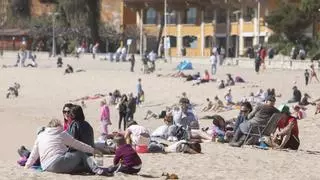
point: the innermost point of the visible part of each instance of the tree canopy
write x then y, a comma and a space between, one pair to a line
291, 20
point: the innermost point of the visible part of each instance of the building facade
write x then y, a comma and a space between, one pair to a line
196, 26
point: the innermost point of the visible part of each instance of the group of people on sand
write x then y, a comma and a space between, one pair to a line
69, 146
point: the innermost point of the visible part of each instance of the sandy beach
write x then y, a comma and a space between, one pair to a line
45, 89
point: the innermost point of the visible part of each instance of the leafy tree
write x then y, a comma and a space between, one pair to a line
289, 20
311, 9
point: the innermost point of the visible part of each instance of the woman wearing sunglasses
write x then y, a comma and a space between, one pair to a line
66, 115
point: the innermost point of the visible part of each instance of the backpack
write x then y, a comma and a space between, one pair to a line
181, 133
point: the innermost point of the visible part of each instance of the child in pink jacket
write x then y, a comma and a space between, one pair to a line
104, 117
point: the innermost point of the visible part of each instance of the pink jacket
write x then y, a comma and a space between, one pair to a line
52, 144
105, 113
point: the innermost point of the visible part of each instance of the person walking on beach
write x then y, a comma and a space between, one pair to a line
132, 62
214, 61
140, 91
257, 63
122, 107
95, 50
306, 76
313, 73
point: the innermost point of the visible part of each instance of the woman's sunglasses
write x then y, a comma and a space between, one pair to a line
66, 112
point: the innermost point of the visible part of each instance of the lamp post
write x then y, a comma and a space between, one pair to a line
258, 17
53, 33
165, 31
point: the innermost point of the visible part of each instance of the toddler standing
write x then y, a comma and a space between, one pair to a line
104, 117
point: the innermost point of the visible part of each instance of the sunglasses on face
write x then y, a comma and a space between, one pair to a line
66, 111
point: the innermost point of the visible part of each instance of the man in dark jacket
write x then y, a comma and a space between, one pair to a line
131, 108
260, 116
296, 95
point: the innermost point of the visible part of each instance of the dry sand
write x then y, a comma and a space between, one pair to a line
44, 90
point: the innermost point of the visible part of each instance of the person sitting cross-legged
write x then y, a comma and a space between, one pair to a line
126, 159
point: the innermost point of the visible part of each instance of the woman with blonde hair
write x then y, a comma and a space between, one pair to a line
52, 148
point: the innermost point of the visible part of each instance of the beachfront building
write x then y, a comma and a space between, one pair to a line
194, 27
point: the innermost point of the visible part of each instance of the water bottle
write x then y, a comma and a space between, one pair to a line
99, 159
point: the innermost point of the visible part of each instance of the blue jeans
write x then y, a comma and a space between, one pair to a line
73, 162
213, 69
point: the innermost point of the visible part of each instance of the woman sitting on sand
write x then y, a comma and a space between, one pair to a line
66, 115
80, 129
52, 148
230, 81
228, 98
217, 105
305, 100
221, 84
206, 78
69, 69
208, 106
287, 133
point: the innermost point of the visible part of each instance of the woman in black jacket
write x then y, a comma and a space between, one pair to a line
122, 107
79, 128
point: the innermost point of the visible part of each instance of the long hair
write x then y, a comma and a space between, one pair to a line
77, 113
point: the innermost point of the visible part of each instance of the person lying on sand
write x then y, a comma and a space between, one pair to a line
161, 115
96, 96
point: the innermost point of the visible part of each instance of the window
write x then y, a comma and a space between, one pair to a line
234, 15
173, 41
150, 16
248, 42
191, 16
221, 16
208, 15
248, 14
208, 41
190, 41
172, 17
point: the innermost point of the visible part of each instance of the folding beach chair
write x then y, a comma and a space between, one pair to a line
263, 130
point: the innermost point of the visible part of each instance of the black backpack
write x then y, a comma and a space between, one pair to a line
181, 133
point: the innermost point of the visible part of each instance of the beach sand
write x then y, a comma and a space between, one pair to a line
45, 90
